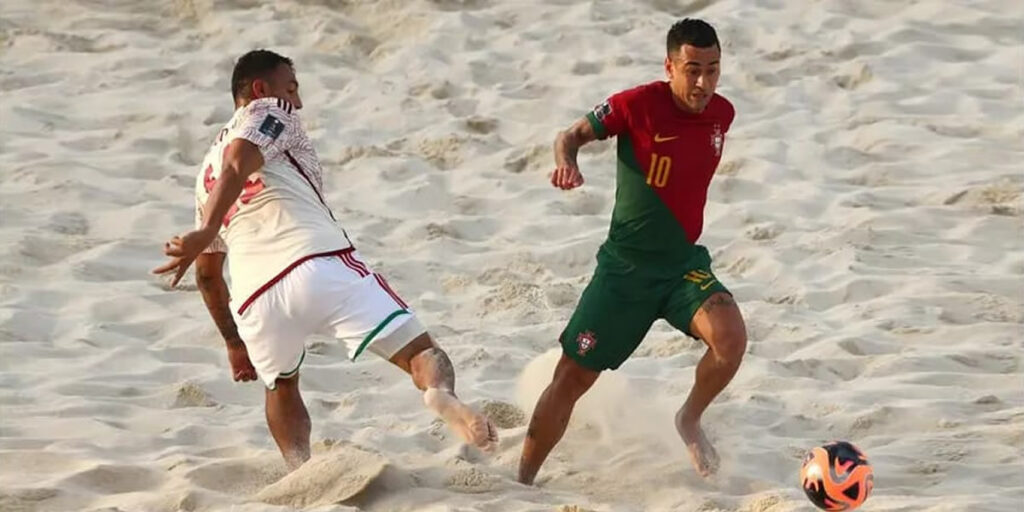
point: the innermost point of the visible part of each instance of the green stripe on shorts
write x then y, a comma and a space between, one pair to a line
290, 374
296, 369
380, 326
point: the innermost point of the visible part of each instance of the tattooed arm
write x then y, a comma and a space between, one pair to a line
210, 280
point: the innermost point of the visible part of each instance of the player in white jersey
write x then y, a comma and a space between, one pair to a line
294, 271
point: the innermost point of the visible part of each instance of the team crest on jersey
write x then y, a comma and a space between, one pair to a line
585, 342
717, 139
601, 111
272, 127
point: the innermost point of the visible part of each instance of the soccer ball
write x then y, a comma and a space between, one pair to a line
837, 476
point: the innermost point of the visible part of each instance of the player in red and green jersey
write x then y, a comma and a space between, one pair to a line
670, 136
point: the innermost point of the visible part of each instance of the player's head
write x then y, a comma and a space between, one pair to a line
262, 73
692, 62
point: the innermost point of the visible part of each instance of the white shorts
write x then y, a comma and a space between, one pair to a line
333, 294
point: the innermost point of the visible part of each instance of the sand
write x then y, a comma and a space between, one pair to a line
867, 214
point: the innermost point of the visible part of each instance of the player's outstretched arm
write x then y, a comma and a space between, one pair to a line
567, 144
241, 159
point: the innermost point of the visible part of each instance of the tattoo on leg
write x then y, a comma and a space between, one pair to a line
717, 300
439, 370
445, 370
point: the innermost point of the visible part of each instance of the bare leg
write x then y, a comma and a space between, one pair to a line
551, 415
289, 421
720, 324
432, 373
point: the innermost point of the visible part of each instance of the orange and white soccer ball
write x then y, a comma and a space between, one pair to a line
837, 476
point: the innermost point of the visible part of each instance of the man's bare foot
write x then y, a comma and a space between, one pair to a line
702, 453
472, 426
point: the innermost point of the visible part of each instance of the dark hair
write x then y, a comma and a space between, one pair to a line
693, 32
257, 64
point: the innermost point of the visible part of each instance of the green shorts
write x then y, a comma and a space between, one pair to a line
618, 308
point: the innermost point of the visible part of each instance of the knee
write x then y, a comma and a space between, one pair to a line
730, 346
572, 381
407, 357
284, 388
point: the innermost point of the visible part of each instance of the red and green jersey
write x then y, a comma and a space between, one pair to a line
666, 158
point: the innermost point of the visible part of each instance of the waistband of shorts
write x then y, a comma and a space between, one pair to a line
266, 286
615, 259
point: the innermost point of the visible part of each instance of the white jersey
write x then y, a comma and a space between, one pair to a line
280, 219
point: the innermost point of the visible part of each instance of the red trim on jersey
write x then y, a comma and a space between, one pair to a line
315, 190
248, 302
384, 284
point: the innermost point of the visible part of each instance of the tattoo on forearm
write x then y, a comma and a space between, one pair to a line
717, 300
569, 154
225, 323
215, 295
566, 149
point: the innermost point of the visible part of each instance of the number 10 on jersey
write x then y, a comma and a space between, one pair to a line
661, 167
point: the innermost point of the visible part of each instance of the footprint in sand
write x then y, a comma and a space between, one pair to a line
26, 500
239, 476
586, 68
116, 479
69, 223
532, 158
461, 5
481, 125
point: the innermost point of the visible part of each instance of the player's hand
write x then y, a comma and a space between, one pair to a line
183, 250
567, 177
241, 367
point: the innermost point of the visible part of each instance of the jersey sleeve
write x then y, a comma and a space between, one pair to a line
218, 244
611, 117
730, 115
271, 124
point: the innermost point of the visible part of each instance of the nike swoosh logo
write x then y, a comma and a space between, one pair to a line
705, 287
659, 138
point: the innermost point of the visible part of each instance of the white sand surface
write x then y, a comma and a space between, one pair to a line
867, 215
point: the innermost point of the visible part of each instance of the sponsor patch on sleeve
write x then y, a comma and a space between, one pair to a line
272, 127
601, 111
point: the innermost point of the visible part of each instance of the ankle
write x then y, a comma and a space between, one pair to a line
435, 398
687, 417
525, 478
295, 458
